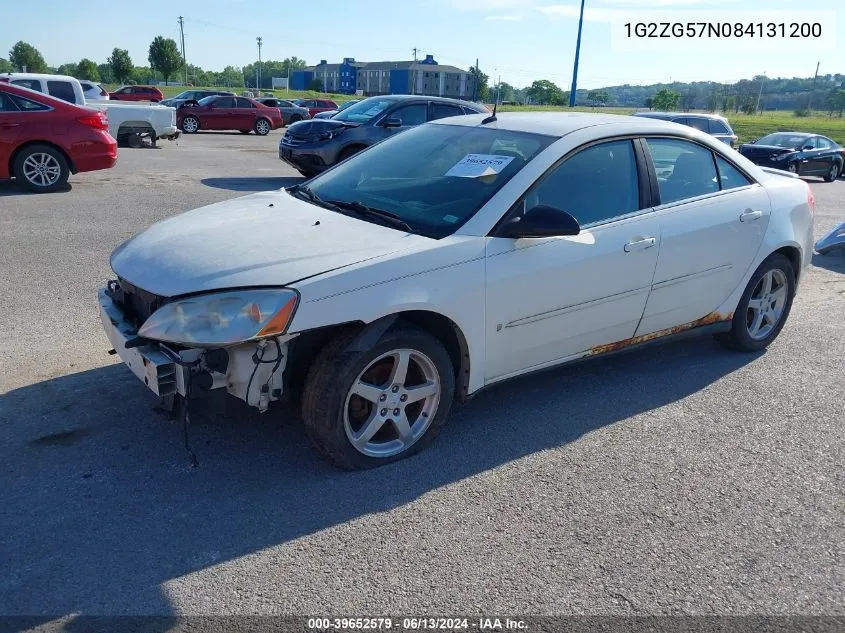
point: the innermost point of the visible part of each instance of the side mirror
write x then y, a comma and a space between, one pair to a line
541, 221
392, 122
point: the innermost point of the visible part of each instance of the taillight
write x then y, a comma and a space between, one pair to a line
98, 121
811, 199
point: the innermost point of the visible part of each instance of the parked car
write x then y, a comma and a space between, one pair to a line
452, 257
314, 146
290, 113
44, 139
801, 153
316, 106
228, 113
62, 87
328, 114
137, 93
712, 124
93, 92
193, 96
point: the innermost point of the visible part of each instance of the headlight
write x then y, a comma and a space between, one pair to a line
779, 156
222, 318
325, 136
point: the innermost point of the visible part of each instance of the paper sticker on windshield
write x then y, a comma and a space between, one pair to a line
479, 165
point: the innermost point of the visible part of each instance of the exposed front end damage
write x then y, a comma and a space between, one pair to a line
250, 371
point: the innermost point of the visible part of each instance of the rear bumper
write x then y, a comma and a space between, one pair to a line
94, 156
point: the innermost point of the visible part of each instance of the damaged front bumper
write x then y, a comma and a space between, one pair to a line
252, 372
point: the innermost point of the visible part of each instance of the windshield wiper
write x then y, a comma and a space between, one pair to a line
362, 209
312, 197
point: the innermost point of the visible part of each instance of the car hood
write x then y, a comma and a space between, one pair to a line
750, 149
316, 126
265, 239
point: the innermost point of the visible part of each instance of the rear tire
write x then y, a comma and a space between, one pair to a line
262, 127
833, 173
41, 168
348, 392
763, 308
794, 168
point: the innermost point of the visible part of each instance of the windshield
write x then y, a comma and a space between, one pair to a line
364, 110
783, 140
184, 95
348, 104
433, 177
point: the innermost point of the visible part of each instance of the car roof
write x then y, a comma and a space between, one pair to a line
804, 134
560, 124
673, 115
36, 95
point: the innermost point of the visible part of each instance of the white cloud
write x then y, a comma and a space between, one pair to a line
504, 18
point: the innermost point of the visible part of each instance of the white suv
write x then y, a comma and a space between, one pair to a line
93, 91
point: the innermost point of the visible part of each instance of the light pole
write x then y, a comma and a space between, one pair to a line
577, 55
258, 70
760, 95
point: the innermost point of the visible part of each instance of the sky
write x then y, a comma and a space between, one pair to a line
518, 40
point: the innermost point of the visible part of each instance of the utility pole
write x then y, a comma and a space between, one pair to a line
475, 83
258, 68
760, 95
810, 100
415, 54
577, 55
184, 60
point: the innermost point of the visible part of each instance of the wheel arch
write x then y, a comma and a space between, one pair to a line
793, 254
14, 155
304, 348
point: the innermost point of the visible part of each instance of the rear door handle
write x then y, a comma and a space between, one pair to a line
640, 245
748, 216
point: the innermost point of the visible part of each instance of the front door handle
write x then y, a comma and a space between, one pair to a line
749, 216
640, 245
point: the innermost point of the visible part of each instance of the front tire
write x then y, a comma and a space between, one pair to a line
262, 127
794, 168
190, 125
41, 168
364, 409
764, 306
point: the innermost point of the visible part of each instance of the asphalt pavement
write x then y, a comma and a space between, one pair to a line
681, 479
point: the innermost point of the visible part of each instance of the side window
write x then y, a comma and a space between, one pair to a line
6, 104
698, 124
224, 102
242, 102
595, 185
32, 84
441, 111
684, 169
822, 143
717, 127
126, 91
62, 90
411, 115
27, 105
729, 176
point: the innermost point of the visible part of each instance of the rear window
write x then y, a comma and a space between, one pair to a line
62, 90
695, 122
717, 127
32, 84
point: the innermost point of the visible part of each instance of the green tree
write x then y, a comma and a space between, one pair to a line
23, 54
836, 101
5, 66
165, 57
506, 92
544, 92
105, 73
482, 90
67, 69
598, 97
666, 100
86, 69
649, 103
120, 64
316, 85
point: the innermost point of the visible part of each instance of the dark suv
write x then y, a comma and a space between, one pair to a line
314, 146
713, 124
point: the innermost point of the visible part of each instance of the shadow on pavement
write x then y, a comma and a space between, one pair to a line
252, 183
100, 506
11, 188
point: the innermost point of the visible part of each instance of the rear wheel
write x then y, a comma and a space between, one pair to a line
833, 173
764, 306
41, 168
363, 409
262, 127
190, 125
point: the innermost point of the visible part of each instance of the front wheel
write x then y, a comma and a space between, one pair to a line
794, 168
764, 306
363, 409
262, 127
41, 168
190, 125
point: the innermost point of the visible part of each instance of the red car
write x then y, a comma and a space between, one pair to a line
228, 113
137, 93
317, 105
43, 139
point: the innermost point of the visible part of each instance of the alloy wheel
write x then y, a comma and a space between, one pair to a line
392, 403
767, 303
42, 169
190, 125
262, 127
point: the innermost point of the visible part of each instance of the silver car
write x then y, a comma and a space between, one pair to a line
291, 113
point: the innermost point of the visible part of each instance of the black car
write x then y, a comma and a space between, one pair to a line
799, 152
313, 146
192, 97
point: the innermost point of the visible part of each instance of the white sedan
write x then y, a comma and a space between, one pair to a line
452, 257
